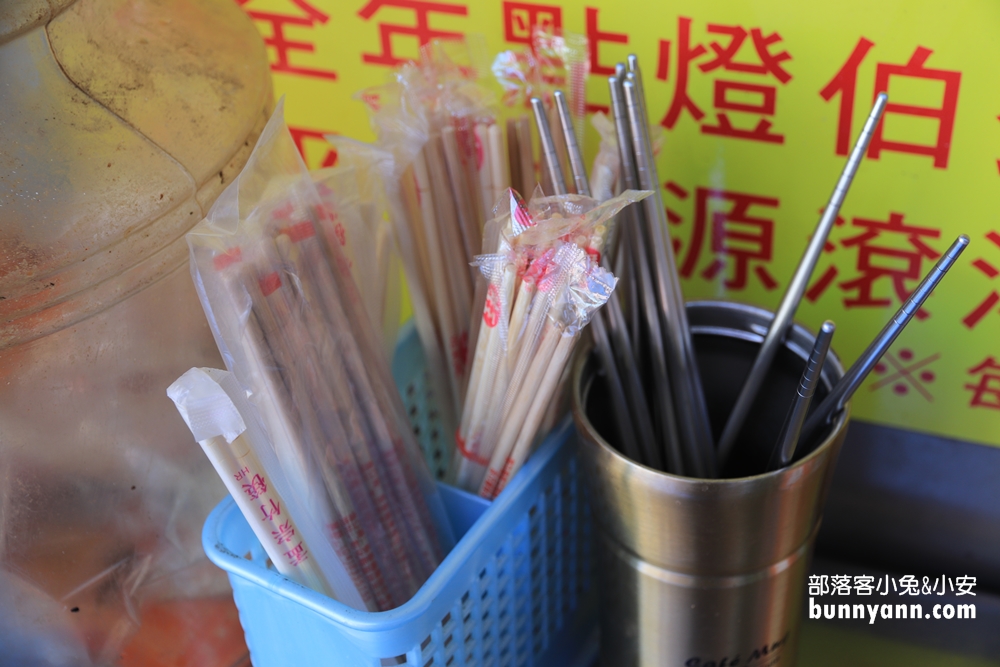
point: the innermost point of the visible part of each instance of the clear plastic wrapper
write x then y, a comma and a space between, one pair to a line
355, 215
215, 408
543, 252
607, 163
378, 170
448, 166
293, 329
553, 62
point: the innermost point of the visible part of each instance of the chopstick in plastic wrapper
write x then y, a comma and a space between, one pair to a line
543, 254
447, 166
377, 171
355, 215
216, 410
292, 327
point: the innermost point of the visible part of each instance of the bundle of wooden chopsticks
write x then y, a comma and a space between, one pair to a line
452, 160
278, 291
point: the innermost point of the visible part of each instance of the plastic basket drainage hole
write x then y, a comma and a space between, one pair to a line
389, 662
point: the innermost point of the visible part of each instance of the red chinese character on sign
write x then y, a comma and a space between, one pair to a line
297, 555
270, 512
735, 234
878, 261
256, 487
992, 299
594, 37
422, 31
304, 16
729, 96
284, 533
845, 82
986, 393
521, 18
310, 141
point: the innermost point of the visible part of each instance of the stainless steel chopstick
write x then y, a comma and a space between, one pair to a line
784, 449
856, 374
784, 316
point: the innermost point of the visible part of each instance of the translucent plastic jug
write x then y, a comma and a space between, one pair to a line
122, 121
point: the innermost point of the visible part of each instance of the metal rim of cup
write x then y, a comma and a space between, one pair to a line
583, 356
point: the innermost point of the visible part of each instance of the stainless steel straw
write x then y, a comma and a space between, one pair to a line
691, 413
842, 392
785, 448
796, 288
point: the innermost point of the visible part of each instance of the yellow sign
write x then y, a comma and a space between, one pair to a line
760, 101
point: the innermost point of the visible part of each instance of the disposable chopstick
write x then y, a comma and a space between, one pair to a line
489, 374
412, 234
235, 462
449, 233
526, 153
469, 218
784, 449
377, 406
442, 287
546, 390
498, 165
785, 314
326, 428
345, 542
485, 168
528, 394
541, 337
856, 374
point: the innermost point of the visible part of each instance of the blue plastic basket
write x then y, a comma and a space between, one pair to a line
518, 588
